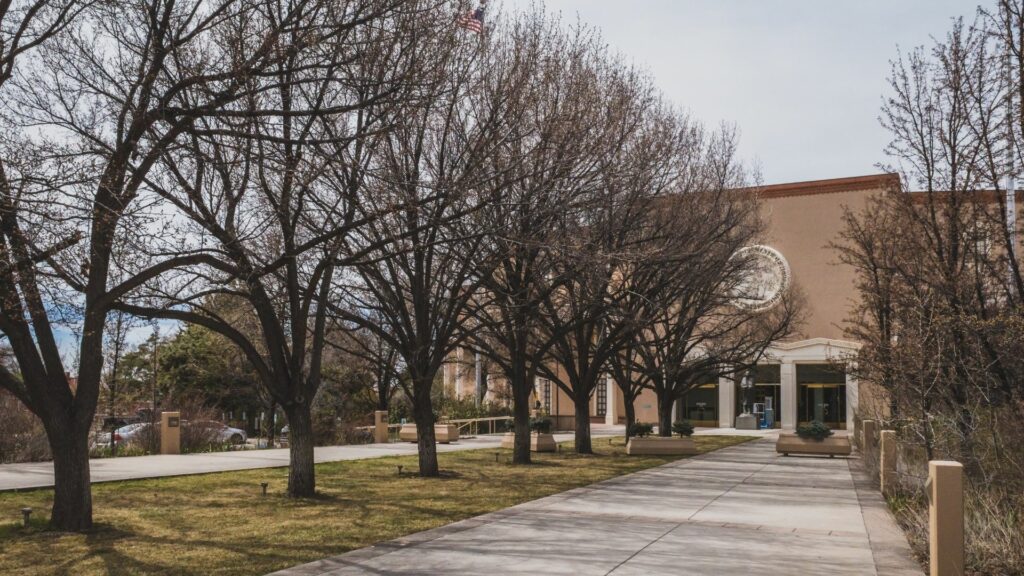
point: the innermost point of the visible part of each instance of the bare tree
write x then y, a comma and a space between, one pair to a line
273, 188
550, 159
114, 87
601, 238
424, 261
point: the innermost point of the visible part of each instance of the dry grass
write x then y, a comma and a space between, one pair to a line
219, 523
993, 526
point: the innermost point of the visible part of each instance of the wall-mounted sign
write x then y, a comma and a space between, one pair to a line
766, 279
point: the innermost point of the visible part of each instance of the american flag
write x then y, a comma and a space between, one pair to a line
474, 19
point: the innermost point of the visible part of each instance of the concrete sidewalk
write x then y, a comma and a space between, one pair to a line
741, 510
40, 474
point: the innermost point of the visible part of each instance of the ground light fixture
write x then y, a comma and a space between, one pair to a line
25, 514
264, 485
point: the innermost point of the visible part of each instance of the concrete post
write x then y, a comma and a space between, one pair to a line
868, 443
380, 426
611, 414
887, 466
852, 399
945, 518
170, 433
726, 403
788, 394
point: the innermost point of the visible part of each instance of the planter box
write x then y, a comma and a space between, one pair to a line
661, 446
443, 433
538, 442
446, 433
831, 446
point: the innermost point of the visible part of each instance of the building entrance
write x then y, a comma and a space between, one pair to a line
821, 390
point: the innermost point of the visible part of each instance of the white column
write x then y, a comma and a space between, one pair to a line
852, 399
787, 372
726, 403
611, 411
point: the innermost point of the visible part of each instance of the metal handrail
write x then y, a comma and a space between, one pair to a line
472, 425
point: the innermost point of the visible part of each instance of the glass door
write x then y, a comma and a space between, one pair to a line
700, 406
825, 403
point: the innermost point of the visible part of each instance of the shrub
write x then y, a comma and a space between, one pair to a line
641, 429
22, 437
683, 428
815, 430
541, 425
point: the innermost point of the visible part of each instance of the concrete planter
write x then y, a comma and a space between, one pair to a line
832, 446
538, 442
443, 433
661, 446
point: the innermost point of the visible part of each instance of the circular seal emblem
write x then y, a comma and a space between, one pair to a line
767, 278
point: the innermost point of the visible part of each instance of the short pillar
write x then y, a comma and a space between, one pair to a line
868, 443
887, 465
945, 518
380, 426
170, 433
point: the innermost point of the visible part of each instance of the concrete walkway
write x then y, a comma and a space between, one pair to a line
40, 474
741, 510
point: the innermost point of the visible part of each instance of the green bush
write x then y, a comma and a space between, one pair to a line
641, 429
541, 425
683, 428
815, 430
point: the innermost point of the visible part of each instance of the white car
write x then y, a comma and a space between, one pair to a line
221, 432
131, 432
211, 431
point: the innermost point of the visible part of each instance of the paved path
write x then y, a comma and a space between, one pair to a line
40, 474
741, 510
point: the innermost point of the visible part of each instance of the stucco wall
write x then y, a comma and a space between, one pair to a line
801, 228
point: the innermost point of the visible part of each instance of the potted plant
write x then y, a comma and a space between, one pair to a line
641, 441
814, 438
541, 439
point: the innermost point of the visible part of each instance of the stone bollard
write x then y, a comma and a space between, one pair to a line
380, 426
887, 464
945, 488
868, 444
170, 433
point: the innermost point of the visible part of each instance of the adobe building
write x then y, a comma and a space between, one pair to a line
801, 379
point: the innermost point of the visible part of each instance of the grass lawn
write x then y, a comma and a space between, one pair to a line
220, 524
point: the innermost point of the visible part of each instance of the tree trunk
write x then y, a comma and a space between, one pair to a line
72, 498
630, 416
664, 415
301, 471
521, 415
423, 414
582, 404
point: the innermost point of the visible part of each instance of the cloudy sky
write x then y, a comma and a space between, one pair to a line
803, 79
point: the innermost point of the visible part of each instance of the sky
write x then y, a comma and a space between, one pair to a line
802, 79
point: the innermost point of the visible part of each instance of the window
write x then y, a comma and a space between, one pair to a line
545, 394
602, 396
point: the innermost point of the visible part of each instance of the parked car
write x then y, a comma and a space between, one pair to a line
220, 432
209, 430
130, 433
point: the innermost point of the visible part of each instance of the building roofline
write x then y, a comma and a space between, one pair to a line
885, 181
